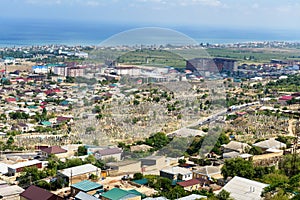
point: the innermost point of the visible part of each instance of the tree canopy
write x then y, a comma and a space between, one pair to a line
238, 167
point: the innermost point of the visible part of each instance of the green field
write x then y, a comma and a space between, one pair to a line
177, 57
258, 55
160, 58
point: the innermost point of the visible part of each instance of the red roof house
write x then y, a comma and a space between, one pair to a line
11, 99
53, 150
285, 98
36, 193
190, 185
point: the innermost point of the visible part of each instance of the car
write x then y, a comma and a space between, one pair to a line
126, 177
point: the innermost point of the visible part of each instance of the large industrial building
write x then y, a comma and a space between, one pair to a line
211, 65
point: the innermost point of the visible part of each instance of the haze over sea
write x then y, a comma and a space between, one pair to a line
43, 32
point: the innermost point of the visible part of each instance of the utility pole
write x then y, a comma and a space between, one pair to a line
71, 178
30, 179
295, 147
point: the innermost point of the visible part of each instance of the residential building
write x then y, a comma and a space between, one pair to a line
128, 70
3, 168
75, 71
36, 77
139, 148
236, 146
126, 166
207, 173
153, 162
231, 154
79, 173
56, 150
120, 194
176, 173
270, 144
9, 60
244, 189
190, 185
85, 186
115, 153
11, 192
40, 69
18, 167
81, 54
36, 193
155, 198
60, 70
85, 196
193, 197
284, 99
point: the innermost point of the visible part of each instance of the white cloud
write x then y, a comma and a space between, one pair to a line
209, 2
47, 2
151, 3
93, 3
70, 2
156, 3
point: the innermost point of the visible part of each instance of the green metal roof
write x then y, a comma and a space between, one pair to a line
87, 185
55, 65
32, 107
143, 181
64, 103
117, 194
46, 123
174, 182
133, 191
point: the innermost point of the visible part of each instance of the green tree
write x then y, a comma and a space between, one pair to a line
237, 167
73, 162
137, 176
181, 161
224, 195
10, 141
43, 184
279, 195
100, 164
136, 102
157, 140
58, 183
97, 109
260, 171
31, 175
90, 159
288, 140
53, 162
255, 150
290, 164
275, 178
81, 151
175, 193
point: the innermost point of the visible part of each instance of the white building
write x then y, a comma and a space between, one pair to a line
176, 173
128, 70
82, 54
40, 69
244, 189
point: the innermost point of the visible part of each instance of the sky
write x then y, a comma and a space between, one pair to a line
267, 14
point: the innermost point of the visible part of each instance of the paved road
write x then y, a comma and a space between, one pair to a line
212, 118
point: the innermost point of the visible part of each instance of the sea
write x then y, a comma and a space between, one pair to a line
26, 32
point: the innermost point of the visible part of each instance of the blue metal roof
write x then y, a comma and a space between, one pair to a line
39, 67
85, 196
87, 185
